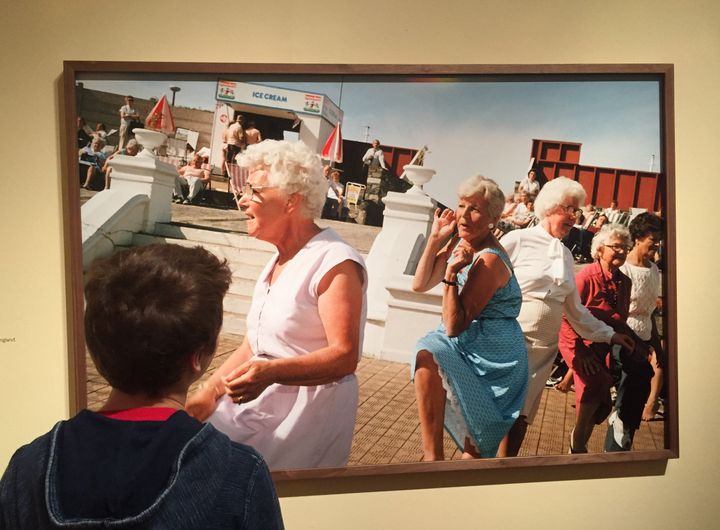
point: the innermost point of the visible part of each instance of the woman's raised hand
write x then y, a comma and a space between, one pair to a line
443, 224
462, 256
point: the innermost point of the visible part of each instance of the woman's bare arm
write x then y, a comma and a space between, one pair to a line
431, 266
486, 276
339, 296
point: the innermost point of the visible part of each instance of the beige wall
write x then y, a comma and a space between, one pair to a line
37, 36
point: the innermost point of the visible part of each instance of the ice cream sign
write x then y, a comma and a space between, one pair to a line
277, 98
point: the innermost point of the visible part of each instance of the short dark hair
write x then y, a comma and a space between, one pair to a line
148, 309
645, 224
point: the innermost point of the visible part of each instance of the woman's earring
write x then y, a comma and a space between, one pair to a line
491, 226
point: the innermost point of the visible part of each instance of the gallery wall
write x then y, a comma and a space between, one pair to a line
37, 36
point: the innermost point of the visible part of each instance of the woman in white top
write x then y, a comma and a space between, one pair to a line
290, 390
545, 270
646, 233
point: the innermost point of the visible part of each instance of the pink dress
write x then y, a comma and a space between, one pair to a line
296, 426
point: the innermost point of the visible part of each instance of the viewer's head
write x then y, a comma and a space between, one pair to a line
488, 190
335, 175
376, 143
532, 175
98, 143
611, 243
556, 193
240, 118
293, 167
100, 126
149, 311
129, 100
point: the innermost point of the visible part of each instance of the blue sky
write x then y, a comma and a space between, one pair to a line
474, 127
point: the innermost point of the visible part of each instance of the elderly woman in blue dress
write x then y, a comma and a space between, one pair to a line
471, 373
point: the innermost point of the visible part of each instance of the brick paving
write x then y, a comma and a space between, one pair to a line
387, 428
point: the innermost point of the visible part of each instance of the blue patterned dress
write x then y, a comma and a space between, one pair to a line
484, 369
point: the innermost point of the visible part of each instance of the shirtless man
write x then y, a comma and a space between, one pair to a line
252, 134
234, 139
193, 178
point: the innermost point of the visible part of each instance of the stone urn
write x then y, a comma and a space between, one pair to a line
419, 176
150, 140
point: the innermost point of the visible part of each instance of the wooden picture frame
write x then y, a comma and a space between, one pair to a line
662, 74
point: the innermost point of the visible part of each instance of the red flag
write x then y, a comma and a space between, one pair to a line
160, 117
333, 149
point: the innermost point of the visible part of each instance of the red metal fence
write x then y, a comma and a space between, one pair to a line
630, 188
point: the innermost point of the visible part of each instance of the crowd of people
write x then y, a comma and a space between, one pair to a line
194, 171
601, 320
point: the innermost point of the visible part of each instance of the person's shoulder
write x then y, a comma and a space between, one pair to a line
34, 454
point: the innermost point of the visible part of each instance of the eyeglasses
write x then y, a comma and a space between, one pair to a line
577, 212
250, 190
619, 248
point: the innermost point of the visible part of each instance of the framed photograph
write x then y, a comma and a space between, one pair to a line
608, 127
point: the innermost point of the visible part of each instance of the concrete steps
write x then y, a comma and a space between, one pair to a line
246, 257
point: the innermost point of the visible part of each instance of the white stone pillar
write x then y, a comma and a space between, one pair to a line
139, 197
407, 221
146, 176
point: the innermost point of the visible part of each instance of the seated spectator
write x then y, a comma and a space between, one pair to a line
100, 132
152, 320
192, 178
520, 217
93, 158
580, 239
613, 213
509, 207
131, 149
529, 184
83, 133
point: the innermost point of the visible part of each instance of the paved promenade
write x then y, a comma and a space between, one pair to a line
387, 429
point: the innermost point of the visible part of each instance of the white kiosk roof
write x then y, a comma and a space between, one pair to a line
287, 99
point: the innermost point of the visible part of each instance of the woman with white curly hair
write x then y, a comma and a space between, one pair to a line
545, 270
290, 389
605, 291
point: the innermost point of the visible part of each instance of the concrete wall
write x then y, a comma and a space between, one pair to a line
38, 35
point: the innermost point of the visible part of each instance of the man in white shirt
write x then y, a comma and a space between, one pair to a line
374, 156
128, 113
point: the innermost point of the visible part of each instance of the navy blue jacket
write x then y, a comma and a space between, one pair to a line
97, 472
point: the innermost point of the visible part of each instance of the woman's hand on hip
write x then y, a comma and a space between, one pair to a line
249, 380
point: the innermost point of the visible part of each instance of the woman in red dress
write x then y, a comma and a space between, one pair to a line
605, 291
